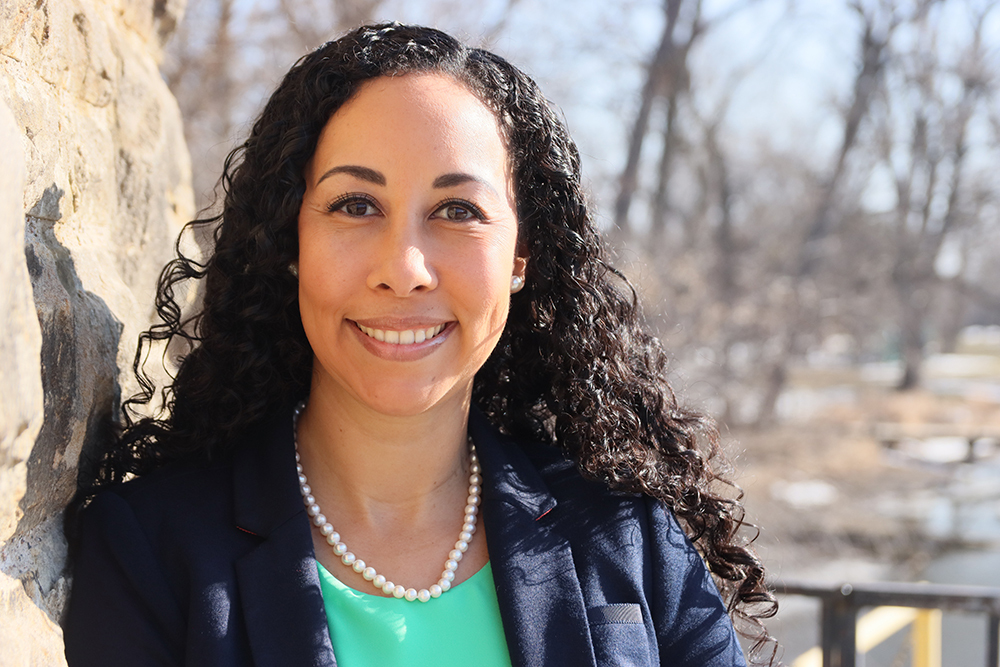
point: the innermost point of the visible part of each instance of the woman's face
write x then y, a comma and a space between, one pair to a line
407, 245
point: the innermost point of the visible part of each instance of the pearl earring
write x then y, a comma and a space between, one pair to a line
516, 283
293, 269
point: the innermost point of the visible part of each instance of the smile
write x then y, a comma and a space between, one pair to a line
407, 337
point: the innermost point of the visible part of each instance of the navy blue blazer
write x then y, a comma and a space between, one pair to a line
214, 566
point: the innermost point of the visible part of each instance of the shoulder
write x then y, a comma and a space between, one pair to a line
592, 505
185, 498
164, 504
157, 509
134, 559
630, 549
167, 490
602, 526
167, 530
542, 480
187, 515
161, 557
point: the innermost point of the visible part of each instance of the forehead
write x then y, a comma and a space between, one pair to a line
427, 115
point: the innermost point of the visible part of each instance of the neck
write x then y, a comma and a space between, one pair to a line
384, 468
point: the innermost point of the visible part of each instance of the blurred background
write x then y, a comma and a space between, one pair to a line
806, 195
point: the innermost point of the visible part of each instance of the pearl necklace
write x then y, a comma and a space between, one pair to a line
367, 571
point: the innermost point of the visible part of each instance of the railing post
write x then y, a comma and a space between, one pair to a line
926, 640
839, 629
993, 641
842, 639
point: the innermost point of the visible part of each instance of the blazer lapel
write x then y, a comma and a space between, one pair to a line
279, 585
538, 591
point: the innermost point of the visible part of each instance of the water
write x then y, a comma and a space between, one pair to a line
964, 510
967, 511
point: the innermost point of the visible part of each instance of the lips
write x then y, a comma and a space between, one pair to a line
405, 337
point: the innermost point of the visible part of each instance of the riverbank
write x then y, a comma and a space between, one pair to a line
836, 502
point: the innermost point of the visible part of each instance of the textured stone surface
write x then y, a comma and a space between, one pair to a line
21, 412
94, 186
21, 340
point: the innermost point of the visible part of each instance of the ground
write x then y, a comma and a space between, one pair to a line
871, 484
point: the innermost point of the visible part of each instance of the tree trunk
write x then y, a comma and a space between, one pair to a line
866, 83
661, 201
865, 86
911, 338
651, 89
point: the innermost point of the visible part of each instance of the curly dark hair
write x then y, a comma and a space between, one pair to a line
574, 367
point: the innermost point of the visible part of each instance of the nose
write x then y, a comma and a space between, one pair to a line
401, 264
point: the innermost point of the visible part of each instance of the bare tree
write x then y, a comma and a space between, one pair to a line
754, 256
199, 71
227, 56
658, 79
312, 22
878, 25
931, 185
218, 80
744, 282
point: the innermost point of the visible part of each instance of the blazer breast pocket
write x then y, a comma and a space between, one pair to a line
620, 636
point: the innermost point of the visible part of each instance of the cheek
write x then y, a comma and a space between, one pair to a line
326, 267
323, 287
495, 274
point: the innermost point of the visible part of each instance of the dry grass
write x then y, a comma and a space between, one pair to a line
819, 489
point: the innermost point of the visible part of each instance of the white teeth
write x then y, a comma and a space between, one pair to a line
408, 337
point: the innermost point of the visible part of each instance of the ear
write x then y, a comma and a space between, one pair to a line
520, 266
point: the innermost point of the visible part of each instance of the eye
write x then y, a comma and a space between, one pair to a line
458, 211
355, 206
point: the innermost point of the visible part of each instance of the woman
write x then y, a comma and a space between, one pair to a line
407, 317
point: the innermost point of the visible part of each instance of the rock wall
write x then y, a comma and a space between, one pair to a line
94, 187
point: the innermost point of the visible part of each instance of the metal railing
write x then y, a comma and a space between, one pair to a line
880, 624
841, 603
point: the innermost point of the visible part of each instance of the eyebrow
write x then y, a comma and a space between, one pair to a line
364, 173
449, 180
376, 177
458, 178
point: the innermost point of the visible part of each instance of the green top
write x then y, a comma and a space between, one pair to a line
459, 628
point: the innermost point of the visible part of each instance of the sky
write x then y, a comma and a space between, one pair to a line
788, 66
